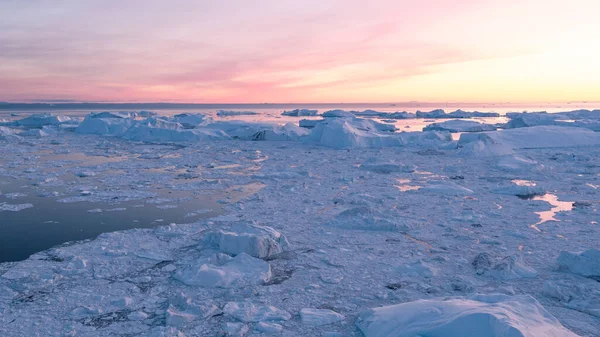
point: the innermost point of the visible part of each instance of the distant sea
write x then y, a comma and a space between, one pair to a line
268, 111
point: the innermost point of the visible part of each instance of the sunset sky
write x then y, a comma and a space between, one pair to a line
241, 51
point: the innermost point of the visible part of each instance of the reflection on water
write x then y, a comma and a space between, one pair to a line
50, 222
404, 185
557, 206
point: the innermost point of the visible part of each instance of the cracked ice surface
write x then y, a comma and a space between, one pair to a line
308, 240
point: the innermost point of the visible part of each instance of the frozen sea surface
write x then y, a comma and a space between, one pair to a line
309, 240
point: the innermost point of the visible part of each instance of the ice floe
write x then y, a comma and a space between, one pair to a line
254, 240
249, 312
459, 126
586, 264
478, 315
318, 317
40, 120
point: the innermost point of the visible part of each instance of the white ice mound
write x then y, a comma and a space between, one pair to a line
578, 118
417, 269
446, 188
40, 120
225, 113
158, 130
365, 218
34, 133
190, 121
585, 264
184, 309
516, 163
339, 113
300, 112
537, 137
341, 133
520, 191
475, 316
258, 131
470, 114
105, 123
508, 268
241, 271
254, 240
8, 134
459, 126
318, 317
437, 113
249, 312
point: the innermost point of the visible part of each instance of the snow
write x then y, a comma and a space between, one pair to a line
478, 315
586, 264
318, 317
300, 112
459, 126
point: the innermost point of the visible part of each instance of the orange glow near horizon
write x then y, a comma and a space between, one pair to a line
300, 51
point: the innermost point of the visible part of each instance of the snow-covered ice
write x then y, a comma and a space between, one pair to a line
477, 316
315, 231
459, 126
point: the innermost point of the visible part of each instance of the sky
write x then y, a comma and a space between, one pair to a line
241, 51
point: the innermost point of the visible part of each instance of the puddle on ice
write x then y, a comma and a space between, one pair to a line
50, 222
557, 206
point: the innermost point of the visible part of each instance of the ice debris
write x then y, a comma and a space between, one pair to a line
241, 271
586, 264
318, 317
254, 240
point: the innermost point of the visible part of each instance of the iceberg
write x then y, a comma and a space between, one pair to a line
300, 112
343, 133
339, 113
475, 316
459, 126
586, 264
255, 240
258, 131
190, 121
105, 124
241, 271
40, 120
504, 142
